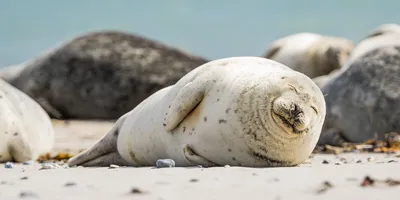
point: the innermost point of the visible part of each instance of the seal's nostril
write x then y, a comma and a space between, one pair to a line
295, 111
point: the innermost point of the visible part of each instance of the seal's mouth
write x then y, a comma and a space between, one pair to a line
287, 125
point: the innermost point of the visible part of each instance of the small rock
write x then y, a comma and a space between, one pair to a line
325, 162
6, 183
193, 180
358, 161
392, 161
112, 166
370, 159
24, 178
338, 163
163, 163
136, 191
226, 166
29, 162
27, 194
199, 166
9, 165
49, 166
326, 185
68, 184
368, 181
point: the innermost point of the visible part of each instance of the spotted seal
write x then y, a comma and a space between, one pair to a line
26, 131
238, 111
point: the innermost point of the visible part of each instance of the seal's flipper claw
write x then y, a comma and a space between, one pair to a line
186, 100
106, 145
332, 137
194, 158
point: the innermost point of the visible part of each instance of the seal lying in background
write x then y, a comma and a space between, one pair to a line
384, 29
26, 131
310, 53
364, 100
239, 111
99, 75
386, 37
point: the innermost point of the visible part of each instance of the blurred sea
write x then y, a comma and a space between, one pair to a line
213, 29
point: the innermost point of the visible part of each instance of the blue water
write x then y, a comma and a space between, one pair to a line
213, 29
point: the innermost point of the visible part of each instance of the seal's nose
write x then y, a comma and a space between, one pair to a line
291, 113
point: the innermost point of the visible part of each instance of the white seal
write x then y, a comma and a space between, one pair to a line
26, 131
239, 111
384, 29
310, 53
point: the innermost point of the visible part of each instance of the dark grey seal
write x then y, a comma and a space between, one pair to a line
363, 102
100, 75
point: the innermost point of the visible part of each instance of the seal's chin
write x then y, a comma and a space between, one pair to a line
289, 116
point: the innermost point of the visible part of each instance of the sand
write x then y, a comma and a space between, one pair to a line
323, 176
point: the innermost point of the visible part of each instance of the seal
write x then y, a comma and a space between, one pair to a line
363, 101
310, 53
26, 131
384, 29
238, 111
99, 75
390, 38
371, 43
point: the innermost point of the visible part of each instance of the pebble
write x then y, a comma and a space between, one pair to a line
24, 178
325, 162
68, 184
193, 180
370, 159
112, 166
136, 190
226, 166
49, 166
29, 162
163, 163
9, 165
27, 194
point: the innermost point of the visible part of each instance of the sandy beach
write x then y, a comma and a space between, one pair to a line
323, 176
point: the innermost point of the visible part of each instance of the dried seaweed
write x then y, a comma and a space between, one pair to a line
389, 144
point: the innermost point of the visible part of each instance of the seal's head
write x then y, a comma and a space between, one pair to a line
295, 110
283, 116
384, 29
329, 54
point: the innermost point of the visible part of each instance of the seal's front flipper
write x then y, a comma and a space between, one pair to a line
106, 145
106, 160
194, 158
186, 100
332, 137
53, 113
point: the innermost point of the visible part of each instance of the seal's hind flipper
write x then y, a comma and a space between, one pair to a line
51, 111
102, 149
186, 100
106, 160
192, 157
